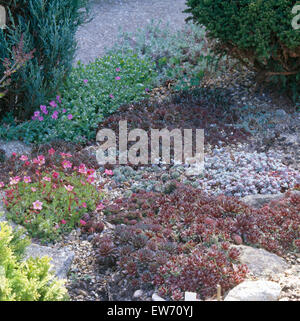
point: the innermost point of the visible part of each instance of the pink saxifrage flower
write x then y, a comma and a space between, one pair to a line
14, 180
82, 222
24, 158
63, 222
51, 151
85, 81
37, 205
109, 172
69, 188
53, 104
118, 78
66, 164
27, 179
100, 207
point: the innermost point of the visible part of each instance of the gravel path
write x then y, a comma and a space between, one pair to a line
111, 15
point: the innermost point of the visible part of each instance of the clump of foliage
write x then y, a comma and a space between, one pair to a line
54, 45
257, 33
180, 241
50, 198
194, 109
181, 56
89, 94
28, 280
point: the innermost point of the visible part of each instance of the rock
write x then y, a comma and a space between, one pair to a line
137, 294
14, 147
61, 259
259, 200
259, 261
255, 291
190, 296
157, 298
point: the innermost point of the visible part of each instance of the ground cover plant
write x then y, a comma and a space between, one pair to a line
49, 197
89, 94
181, 56
181, 241
28, 280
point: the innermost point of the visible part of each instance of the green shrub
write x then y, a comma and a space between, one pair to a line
28, 280
181, 56
258, 33
90, 93
48, 27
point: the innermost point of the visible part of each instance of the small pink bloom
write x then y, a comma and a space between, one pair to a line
64, 111
109, 172
111, 96
41, 118
85, 81
90, 179
23, 158
69, 188
83, 204
55, 115
55, 175
14, 154
54, 186
2, 184
82, 222
70, 116
118, 78
37, 205
14, 180
41, 160
63, 222
100, 207
90, 171
118, 69
58, 99
36, 114
53, 104
47, 179
82, 169
63, 155
33, 189
66, 164
51, 151
27, 179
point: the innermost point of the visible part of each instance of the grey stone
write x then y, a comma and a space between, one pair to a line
14, 147
137, 294
259, 200
259, 261
255, 291
157, 298
61, 259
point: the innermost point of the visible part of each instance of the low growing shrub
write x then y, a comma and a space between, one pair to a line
257, 33
28, 280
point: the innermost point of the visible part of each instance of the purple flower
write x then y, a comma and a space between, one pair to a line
41, 118
118, 78
147, 89
64, 110
118, 69
44, 109
55, 114
58, 99
53, 104
85, 81
36, 114
70, 116
111, 96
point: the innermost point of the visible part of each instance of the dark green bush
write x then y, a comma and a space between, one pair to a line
48, 27
258, 33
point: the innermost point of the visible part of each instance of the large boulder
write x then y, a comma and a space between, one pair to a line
61, 259
255, 291
259, 261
